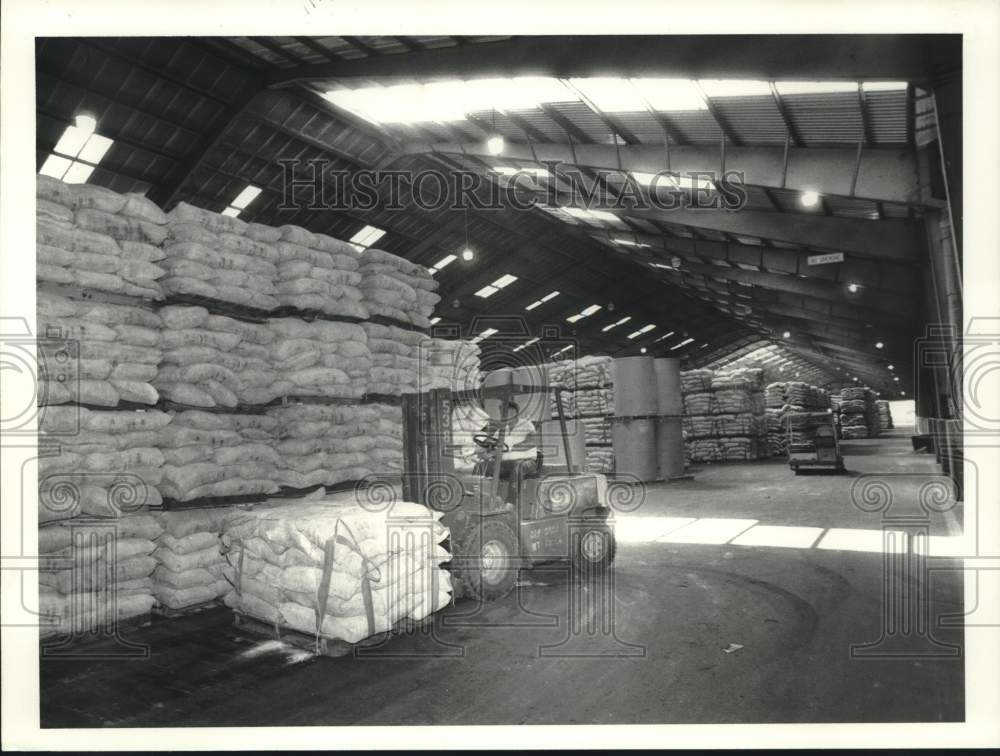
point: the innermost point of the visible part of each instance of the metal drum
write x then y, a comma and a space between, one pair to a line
635, 447
669, 448
635, 387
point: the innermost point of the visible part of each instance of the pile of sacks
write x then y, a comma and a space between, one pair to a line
215, 361
98, 463
803, 426
336, 570
600, 460
96, 353
395, 354
774, 396
449, 364
189, 559
726, 421
387, 455
884, 415
219, 257
317, 273
321, 358
108, 573
858, 413
585, 372
596, 430
398, 289
786, 400
696, 381
585, 402
214, 454
776, 433
322, 445
97, 239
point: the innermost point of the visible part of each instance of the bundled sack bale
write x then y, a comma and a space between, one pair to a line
598, 401
318, 273
395, 364
585, 372
774, 395
96, 353
321, 445
387, 453
337, 570
210, 455
98, 463
190, 563
321, 358
210, 255
745, 379
774, 424
215, 361
396, 288
94, 238
109, 577
457, 361
884, 414
600, 460
696, 381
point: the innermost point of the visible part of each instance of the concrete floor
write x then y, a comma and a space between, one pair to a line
794, 610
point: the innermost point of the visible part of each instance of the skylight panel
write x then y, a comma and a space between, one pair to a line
617, 323
611, 94
735, 88
435, 320
551, 295
564, 349
501, 283
815, 87
645, 329
629, 243
232, 212
683, 343
506, 170
590, 310
245, 197
664, 337
670, 94
77, 152
367, 236
884, 86
444, 262
527, 344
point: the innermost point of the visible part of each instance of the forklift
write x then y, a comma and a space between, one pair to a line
822, 452
506, 514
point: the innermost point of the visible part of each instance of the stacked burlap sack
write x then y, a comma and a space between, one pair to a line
387, 454
216, 361
107, 575
395, 359
726, 421
596, 430
189, 560
594, 401
215, 454
774, 395
696, 381
774, 426
318, 273
96, 239
585, 372
321, 358
600, 460
219, 257
855, 421
96, 353
458, 359
398, 289
325, 445
337, 570
98, 463
884, 415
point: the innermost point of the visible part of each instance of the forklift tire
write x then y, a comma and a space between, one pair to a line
492, 547
593, 549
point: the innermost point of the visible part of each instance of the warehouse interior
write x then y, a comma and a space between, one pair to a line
746, 587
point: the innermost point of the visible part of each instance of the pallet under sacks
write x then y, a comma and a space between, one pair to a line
336, 571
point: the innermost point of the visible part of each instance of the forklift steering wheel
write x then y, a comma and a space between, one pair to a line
487, 442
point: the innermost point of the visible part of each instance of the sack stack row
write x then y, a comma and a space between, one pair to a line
336, 570
395, 354
189, 559
317, 273
884, 415
449, 364
858, 413
93, 238
97, 463
105, 575
397, 289
724, 415
789, 399
588, 399
96, 353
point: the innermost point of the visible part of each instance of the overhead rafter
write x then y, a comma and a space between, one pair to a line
820, 56
888, 175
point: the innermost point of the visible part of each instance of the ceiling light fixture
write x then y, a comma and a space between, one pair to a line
853, 288
786, 335
809, 199
879, 345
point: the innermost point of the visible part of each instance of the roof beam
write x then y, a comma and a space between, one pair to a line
799, 56
886, 175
